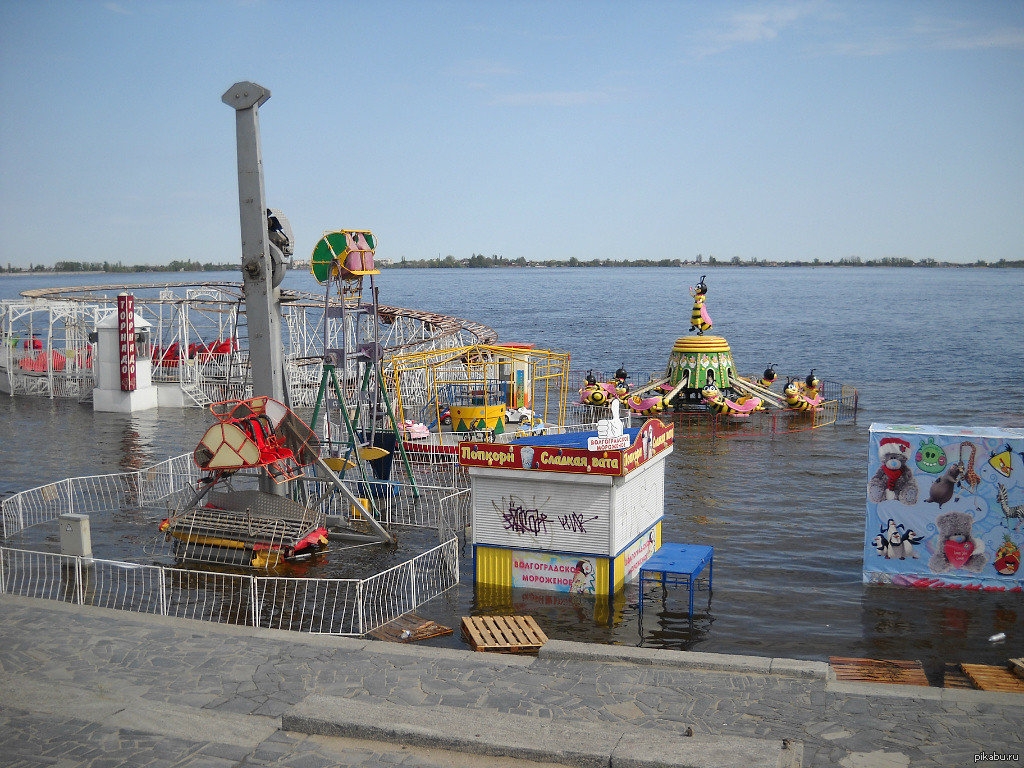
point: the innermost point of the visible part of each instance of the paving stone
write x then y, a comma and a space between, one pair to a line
226, 671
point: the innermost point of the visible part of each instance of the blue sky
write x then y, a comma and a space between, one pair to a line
789, 130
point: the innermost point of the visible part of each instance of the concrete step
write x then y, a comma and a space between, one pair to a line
577, 743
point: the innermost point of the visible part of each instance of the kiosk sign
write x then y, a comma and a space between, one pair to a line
651, 439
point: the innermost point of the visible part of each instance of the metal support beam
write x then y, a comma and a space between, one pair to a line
262, 299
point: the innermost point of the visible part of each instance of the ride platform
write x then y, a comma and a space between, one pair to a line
244, 528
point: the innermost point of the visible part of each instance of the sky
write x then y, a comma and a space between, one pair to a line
545, 130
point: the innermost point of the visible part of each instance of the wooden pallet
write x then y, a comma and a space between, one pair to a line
988, 678
878, 671
417, 628
1017, 667
953, 677
503, 634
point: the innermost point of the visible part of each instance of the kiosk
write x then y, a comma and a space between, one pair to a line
564, 513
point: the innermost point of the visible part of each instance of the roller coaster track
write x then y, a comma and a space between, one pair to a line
184, 313
438, 325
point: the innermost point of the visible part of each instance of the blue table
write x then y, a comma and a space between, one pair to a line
677, 564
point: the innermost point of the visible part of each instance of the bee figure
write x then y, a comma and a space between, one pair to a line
700, 320
795, 398
768, 377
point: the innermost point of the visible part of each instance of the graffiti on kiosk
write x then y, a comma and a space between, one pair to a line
520, 519
575, 522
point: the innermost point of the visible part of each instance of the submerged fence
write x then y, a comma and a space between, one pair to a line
313, 605
839, 405
161, 483
316, 606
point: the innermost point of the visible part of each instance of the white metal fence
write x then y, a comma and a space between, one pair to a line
314, 605
160, 484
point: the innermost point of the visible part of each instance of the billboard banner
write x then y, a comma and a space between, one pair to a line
945, 507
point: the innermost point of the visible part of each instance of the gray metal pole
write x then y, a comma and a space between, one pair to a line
262, 299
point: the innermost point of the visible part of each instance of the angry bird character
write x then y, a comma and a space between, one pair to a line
957, 547
700, 320
942, 488
930, 457
1002, 462
1007, 557
768, 377
894, 478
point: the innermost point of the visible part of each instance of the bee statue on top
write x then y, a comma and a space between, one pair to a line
700, 320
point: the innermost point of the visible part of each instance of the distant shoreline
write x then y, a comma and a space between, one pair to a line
147, 269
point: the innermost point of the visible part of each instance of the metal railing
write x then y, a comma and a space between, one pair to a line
313, 605
162, 482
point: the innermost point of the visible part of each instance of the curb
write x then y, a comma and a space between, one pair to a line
553, 650
583, 744
706, 662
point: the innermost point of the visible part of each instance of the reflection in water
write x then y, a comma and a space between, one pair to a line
133, 454
939, 626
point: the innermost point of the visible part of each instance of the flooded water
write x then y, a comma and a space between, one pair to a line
785, 514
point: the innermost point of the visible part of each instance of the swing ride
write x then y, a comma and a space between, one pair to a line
701, 381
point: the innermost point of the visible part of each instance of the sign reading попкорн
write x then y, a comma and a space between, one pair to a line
653, 438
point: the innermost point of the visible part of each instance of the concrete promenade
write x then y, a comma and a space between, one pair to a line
82, 686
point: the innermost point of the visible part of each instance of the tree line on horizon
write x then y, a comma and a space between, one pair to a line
107, 266
479, 261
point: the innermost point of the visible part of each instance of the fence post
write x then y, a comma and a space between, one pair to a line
359, 603
79, 590
3, 576
412, 582
254, 600
162, 601
453, 561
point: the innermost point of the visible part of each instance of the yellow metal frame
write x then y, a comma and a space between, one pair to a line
548, 378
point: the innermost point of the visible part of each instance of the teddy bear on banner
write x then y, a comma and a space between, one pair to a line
958, 547
894, 478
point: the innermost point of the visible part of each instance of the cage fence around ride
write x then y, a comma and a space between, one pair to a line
346, 606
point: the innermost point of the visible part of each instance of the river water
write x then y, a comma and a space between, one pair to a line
785, 514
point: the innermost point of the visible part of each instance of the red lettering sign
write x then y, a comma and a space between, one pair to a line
126, 340
653, 438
